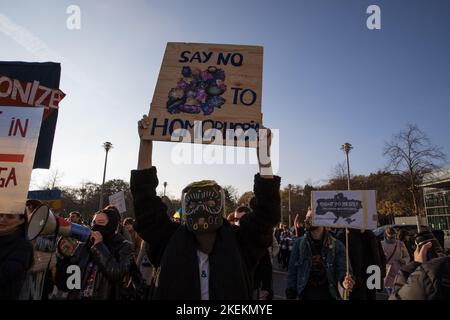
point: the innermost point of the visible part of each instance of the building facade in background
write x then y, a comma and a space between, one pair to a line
436, 190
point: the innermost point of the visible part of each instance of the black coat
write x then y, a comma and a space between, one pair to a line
172, 248
364, 250
263, 275
16, 256
113, 264
427, 281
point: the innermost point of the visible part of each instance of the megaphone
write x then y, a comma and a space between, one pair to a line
44, 222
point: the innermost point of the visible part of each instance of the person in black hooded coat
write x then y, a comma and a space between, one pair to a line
364, 250
104, 261
175, 250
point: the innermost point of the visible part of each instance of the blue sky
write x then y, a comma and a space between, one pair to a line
327, 79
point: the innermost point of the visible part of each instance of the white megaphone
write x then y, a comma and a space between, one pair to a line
44, 222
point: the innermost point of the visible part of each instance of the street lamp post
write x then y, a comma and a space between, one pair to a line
107, 146
346, 147
391, 212
165, 185
83, 194
289, 204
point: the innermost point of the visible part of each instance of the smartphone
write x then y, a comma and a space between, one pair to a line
425, 237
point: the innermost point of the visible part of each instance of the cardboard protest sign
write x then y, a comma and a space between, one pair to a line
34, 84
19, 133
208, 90
118, 200
345, 209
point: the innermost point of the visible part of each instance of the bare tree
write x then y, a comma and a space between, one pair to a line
411, 155
337, 178
54, 179
339, 171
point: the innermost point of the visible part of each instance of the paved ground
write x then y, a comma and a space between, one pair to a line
279, 285
279, 281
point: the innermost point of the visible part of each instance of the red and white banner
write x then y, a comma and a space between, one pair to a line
14, 92
19, 133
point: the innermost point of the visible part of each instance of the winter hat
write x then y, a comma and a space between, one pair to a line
113, 216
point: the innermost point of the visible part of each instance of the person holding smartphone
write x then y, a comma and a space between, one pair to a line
428, 276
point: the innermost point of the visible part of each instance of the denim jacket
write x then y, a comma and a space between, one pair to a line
333, 257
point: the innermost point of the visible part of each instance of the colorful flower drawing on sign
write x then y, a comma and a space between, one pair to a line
198, 91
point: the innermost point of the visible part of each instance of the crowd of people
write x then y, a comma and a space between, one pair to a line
204, 254
110, 263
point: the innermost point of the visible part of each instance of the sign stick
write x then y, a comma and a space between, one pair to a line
346, 293
347, 147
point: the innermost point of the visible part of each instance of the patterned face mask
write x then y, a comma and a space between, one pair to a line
203, 206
